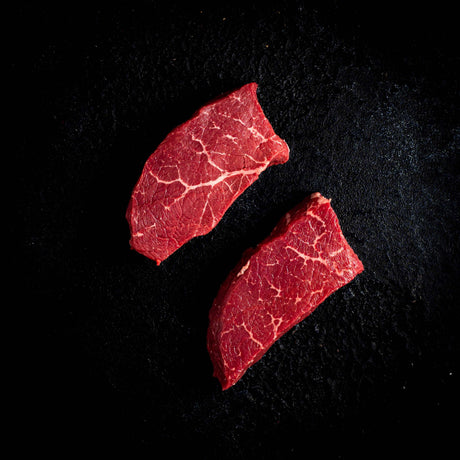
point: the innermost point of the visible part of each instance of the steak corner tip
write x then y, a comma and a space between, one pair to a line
199, 170
262, 298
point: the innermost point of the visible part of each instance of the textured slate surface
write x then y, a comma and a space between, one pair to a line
368, 102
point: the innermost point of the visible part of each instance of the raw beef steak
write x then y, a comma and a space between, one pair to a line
276, 285
199, 170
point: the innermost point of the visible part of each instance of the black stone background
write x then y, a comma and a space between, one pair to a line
112, 351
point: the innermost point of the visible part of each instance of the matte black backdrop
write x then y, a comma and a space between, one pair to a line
113, 347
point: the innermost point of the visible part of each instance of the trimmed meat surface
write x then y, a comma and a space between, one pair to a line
199, 170
276, 285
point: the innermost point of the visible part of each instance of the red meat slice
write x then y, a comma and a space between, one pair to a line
199, 170
276, 285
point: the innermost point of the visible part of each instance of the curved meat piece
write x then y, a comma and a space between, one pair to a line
199, 170
276, 285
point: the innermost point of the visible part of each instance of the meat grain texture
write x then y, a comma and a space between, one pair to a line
199, 170
276, 285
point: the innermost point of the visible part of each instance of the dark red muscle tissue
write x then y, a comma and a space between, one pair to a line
199, 170
276, 285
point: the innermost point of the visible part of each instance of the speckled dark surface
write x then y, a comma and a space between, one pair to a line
368, 101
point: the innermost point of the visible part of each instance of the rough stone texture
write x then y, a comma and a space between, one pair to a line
367, 99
